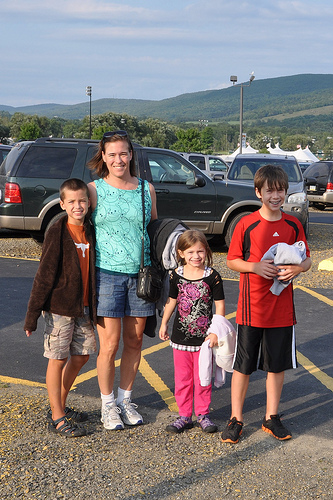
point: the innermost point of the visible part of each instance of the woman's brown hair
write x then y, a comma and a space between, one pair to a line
98, 165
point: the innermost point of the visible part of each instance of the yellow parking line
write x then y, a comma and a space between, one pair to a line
11, 380
320, 223
318, 296
155, 380
304, 361
89, 375
315, 371
147, 372
231, 315
158, 385
18, 258
155, 348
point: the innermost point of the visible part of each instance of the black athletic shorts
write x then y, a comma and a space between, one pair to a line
269, 349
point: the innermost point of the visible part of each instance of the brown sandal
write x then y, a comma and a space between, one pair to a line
67, 429
74, 415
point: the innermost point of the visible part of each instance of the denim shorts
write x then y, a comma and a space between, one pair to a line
64, 336
116, 297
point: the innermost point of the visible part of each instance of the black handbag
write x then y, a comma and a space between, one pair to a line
150, 282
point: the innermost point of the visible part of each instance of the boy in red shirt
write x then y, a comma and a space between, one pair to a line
265, 336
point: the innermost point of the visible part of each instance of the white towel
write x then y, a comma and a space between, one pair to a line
223, 354
282, 253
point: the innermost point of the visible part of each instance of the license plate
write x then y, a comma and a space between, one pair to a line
312, 188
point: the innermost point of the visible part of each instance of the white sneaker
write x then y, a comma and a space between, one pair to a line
128, 413
110, 416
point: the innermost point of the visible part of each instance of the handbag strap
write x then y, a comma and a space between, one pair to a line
143, 225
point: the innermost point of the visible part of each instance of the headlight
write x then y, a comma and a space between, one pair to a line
297, 198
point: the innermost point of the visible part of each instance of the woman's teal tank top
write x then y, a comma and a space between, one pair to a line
118, 225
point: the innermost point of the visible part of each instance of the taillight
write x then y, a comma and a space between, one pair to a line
12, 193
329, 186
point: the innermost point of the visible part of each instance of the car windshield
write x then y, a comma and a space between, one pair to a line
244, 169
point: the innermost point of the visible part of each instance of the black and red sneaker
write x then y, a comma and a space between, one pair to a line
232, 432
275, 427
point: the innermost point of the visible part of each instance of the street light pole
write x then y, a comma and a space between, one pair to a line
88, 93
241, 120
233, 79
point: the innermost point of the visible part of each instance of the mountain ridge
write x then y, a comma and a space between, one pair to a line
265, 99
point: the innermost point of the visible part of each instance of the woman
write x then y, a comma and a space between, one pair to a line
116, 201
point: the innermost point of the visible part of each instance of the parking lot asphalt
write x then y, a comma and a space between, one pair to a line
144, 462
21, 358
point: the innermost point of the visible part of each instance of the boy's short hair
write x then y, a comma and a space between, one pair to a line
275, 176
72, 185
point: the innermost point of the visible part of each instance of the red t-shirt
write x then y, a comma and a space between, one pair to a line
253, 236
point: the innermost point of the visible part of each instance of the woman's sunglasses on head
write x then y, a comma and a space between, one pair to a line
122, 133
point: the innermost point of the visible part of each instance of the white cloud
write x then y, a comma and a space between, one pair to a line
76, 10
155, 49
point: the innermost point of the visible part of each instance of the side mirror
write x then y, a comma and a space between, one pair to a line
310, 180
218, 177
200, 181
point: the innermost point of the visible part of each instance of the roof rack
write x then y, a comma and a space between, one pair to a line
63, 139
72, 140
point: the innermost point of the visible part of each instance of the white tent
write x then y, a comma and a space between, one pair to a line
269, 148
302, 155
310, 155
277, 150
247, 150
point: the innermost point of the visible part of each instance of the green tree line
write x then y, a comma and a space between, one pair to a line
218, 138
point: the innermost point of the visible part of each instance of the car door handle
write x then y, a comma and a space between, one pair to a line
164, 191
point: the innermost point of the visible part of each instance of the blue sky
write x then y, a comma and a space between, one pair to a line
155, 49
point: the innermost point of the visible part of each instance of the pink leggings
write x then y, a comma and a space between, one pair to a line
186, 366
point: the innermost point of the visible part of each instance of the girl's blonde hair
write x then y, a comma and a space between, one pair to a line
189, 238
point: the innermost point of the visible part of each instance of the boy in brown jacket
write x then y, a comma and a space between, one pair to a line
64, 291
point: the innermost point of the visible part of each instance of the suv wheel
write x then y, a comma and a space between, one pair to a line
54, 219
232, 224
38, 237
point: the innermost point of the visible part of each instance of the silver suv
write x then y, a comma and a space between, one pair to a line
244, 167
210, 164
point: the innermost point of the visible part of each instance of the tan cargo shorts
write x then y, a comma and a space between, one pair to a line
64, 336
